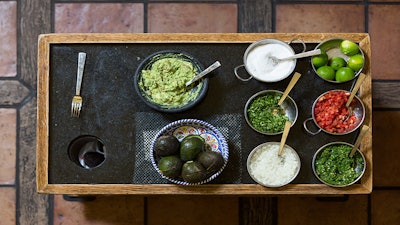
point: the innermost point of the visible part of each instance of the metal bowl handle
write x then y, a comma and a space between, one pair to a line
301, 41
308, 130
238, 76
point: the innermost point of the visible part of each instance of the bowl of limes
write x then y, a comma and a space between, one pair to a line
341, 60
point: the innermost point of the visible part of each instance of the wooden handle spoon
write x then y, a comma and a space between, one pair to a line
363, 131
288, 124
291, 84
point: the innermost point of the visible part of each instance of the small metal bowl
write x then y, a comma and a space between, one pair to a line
279, 72
289, 106
270, 171
360, 167
198, 91
358, 110
332, 48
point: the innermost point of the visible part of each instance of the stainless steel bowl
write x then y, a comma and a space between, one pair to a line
288, 106
284, 158
358, 110
332, 49
264, 76
359, 167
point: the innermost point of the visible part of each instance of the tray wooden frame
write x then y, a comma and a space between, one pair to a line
42, 160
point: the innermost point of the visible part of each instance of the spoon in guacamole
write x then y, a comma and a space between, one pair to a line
203, 73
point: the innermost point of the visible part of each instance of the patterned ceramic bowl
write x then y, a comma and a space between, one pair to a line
182, 128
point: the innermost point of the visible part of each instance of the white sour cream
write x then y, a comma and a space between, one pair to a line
260, 65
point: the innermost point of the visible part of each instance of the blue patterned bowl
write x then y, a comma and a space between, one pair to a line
185, 127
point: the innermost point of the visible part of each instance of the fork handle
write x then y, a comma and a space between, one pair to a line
79, 76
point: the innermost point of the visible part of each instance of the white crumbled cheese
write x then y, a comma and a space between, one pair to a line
273, 170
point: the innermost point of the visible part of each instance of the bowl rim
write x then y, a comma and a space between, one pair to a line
288, 98
334, 81
190, 104
257, 148
344, 133
337, 143
171, 127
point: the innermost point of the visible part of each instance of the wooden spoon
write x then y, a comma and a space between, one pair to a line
291, 84
288, 124
357, 86
363, 131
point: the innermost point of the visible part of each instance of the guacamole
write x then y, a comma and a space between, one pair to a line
334, 165
164, 82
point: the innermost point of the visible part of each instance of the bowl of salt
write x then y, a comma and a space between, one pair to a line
258, 60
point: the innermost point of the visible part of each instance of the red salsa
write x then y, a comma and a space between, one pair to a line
331, 113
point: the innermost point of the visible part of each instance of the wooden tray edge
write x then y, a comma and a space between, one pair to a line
44, 42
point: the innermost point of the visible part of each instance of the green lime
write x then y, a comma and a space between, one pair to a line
349, 48
320, 60
356, 62
344, 74
326, 72
337, 62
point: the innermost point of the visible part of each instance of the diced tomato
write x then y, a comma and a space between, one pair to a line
331, 113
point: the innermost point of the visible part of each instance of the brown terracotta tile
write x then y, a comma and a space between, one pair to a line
8, 135
317, 0
329, 211
319, 18
7, 205
104, 210
386, 142
99, 18
193, 210
8, 37
383, 23
385, 207
384, 0
192, 18
188, 1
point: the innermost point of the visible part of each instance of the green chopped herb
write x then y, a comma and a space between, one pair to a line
334, 165
265, 114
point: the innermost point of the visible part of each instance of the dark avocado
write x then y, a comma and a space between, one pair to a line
166, 145
170, 166
193, 172
191, 146
212, 161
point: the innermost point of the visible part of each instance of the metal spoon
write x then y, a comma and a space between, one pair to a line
286, 130
357, 86
203, 73
296, 56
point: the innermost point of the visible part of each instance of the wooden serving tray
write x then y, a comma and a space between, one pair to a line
56, 71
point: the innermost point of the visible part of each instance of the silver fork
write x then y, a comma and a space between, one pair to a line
76, 105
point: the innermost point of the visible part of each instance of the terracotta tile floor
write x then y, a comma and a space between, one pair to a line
380, 19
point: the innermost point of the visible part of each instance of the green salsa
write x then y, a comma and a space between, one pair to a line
266, 115
334, 166
165, 82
